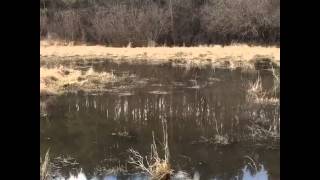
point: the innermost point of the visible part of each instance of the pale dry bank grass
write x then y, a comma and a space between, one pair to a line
194, 55
61, 79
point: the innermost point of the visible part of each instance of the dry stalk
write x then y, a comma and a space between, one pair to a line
156, 167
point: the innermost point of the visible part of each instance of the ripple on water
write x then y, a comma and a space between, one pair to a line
157, 85
125, 93
213, 79
178, 83
194, 87
159, 92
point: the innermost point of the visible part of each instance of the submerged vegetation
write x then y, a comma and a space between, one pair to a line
263, 127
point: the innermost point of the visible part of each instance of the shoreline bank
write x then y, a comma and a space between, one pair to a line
234, 55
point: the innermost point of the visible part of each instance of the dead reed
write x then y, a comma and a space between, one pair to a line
156, 167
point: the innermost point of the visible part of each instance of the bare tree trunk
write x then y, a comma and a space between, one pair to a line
172, 24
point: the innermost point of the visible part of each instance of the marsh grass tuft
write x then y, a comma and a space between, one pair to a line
62, 79
156, 167
263, 127
220, 138
45, 167
256, 94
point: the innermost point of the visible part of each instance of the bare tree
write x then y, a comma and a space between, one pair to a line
150, 22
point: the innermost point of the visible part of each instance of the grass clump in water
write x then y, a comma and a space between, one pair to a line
263, 127
62, 79
257, 95
156, 167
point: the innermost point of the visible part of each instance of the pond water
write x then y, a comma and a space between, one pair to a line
206, 110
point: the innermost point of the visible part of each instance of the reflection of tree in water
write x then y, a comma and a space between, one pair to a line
97, 130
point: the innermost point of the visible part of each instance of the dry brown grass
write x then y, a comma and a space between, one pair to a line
257, 95
61, 79
45, 167
200, 55
263, 128
156, 167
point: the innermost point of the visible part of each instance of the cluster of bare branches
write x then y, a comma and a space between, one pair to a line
156, 167
170, 22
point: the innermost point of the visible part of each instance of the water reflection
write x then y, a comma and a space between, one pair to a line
245, 174
262, 174
98, 129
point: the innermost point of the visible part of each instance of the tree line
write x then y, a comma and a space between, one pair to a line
161, 22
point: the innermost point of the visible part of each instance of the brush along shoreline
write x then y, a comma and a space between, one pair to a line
237, 55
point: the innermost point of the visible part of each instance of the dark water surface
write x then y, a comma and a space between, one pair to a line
93, 131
